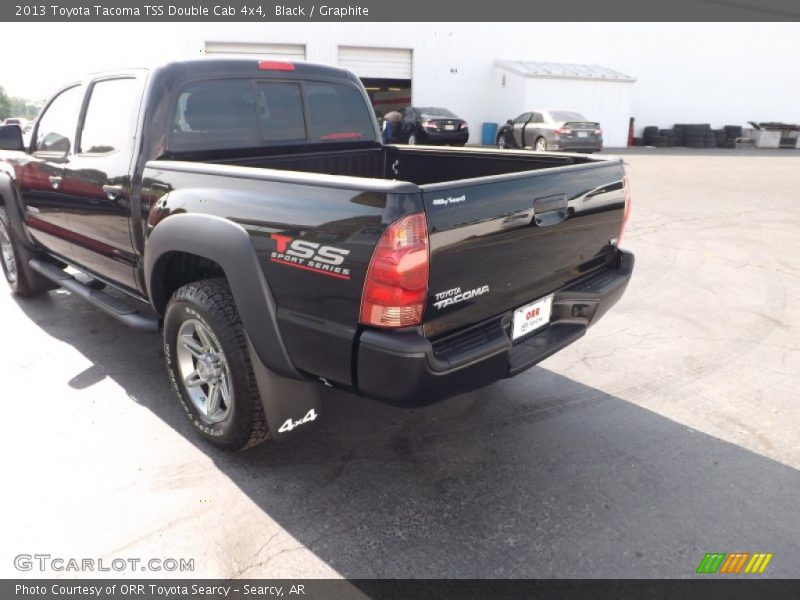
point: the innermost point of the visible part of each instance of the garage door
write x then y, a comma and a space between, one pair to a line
386, 63
275, 51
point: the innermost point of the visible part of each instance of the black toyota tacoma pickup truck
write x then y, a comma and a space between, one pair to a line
249, 210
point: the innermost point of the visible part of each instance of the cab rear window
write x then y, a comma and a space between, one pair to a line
239, 113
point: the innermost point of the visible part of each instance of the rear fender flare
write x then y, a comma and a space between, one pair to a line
227, 244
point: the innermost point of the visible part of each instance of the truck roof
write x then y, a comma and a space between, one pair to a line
237, 64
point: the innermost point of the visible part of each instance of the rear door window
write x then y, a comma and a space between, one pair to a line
110, 116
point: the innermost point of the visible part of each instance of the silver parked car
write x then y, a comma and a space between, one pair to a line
545, 130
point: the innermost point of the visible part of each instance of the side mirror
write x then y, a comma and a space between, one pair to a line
509, 122
55, 143
11, 138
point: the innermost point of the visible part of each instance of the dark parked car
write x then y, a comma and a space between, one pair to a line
545, 130
432, 126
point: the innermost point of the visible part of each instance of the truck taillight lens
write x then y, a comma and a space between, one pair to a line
626, 213
275, 65
397, 279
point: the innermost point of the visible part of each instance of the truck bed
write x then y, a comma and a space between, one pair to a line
517, 223
418, 165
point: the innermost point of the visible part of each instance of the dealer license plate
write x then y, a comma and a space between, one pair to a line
583, 134
532, 317
449, 127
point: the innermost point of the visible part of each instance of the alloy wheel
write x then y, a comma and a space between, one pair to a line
204, 371
7, 252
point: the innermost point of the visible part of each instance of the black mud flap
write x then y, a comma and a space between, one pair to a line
291, 406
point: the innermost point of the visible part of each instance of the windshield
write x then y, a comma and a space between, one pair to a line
566, 115
431, 112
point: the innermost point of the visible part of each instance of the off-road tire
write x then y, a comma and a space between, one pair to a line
24, 282
211, 303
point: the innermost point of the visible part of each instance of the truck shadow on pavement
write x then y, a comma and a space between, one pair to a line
538, 476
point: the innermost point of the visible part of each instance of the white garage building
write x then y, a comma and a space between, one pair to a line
598, 93
657, 73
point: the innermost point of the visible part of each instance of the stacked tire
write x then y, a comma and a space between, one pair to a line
648, 134
680, 134
732, 133
691, 135
669, 135
697, 136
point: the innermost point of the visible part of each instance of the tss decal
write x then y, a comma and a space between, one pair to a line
310, 256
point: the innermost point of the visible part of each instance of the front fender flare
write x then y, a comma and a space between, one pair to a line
8, 190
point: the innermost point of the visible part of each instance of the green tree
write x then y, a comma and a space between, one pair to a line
5, 104
13, 106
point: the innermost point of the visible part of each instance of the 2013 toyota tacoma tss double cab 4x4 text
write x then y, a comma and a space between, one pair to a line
249, 210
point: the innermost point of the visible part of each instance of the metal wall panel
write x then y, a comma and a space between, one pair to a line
274, 51
388, 63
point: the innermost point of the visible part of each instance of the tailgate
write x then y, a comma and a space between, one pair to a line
500, 242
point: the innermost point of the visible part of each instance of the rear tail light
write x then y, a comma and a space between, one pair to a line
464, 127
626, 213
275, 65
397, 279
598, 131
562, 131
429, 125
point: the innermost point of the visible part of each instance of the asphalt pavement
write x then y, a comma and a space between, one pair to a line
670, 430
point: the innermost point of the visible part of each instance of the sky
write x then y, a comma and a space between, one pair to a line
55, 53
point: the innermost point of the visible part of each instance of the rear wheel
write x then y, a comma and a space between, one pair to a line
501, 141
14, 261
540, 145
209, 365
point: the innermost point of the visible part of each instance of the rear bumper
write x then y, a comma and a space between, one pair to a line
576, 146
407, 369
441, 137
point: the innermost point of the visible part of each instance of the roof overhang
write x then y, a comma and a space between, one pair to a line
549, 70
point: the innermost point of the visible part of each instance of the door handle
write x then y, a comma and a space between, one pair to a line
112, 191
550, 210
55, 181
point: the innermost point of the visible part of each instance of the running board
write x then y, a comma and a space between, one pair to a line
105, 302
